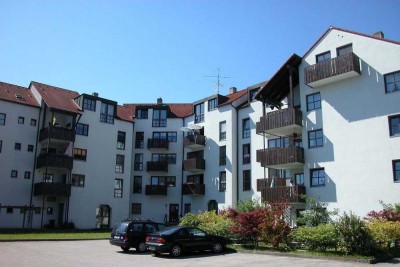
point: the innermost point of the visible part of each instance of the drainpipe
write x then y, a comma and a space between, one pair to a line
237, 155
183, 156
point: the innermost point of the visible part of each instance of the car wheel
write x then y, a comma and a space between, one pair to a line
176, 251
218, 247
125, 249
141, 247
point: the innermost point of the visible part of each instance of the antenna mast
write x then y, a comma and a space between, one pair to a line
218, 82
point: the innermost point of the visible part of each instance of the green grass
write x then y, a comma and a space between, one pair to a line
53, 234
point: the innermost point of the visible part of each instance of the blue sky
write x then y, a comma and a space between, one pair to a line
137, 51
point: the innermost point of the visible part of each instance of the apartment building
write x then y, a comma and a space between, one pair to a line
338, 133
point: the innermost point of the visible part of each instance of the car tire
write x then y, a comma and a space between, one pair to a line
217, 247
141, 247
176, 250
125, 248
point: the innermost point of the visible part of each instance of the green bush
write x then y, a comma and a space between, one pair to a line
248, 205
317, 238
317, 214
384, 233
354, 234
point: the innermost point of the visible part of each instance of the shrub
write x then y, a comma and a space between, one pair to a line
317, 238
248, 205
317, 214
390, 212
190, 219
275, 229
384, 233
354, 234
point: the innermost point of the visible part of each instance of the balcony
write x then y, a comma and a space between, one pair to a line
194, 141
154, 190
55, 161
193, 189
267, 182
282, 194
282, 122
281, 158
333, 70
157, 143
58, 133
52, 189
194, 164
157, 166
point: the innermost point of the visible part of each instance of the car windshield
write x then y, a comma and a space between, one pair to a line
169, 230
120, 228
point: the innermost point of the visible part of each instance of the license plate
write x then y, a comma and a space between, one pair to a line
152, 248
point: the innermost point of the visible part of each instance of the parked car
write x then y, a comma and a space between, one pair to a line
131, 233
177, 240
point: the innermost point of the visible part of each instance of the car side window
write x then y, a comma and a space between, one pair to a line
150, 228
137, 227
182, 233
161, 227
196, 232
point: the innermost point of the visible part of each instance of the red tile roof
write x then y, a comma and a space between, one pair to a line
125, 113
178, 110
232, 97
17, 94
58, 98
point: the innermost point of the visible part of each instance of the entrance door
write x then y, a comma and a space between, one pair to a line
103, 216
174, 213
60, 214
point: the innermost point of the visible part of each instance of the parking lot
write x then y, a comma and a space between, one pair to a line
101, 253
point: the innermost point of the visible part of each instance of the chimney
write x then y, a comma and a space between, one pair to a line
159, 101
232, 90
379, 35
95, 94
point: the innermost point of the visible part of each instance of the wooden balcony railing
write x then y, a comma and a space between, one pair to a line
335, 69
281, 122
156, 190
52, 189
193, 189
282, 194
59, 133
194, 164
157, 166
193, 141
267, 182
157, 143
281, 157
54, 161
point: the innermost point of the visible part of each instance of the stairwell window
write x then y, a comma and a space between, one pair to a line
136, 208
396, 170
246, 154
199, 113
137, 184
1, 145
392, 82
246, 128
222, 181
222, 130
118, 187
107, 113
121, 140
138, 164
317, 177
246, 180
315, 138
394, 125
2, 119
139, 142
119, 165
313, 101
222, 155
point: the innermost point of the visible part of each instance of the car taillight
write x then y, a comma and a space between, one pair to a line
125, 236
147, 238
159, 240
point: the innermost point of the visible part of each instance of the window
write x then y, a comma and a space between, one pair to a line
2, 119
213, 205
17, 146
313, 101
33, 122
107, 113
121, 140
199, 113
48, 178
82, 129
246, 128
78, 180
392, 83
278, 142
222, 155
49, 211
394, 125
170, 158
142, 114
247, 180
188, 208
315, 138
317, 177
340, 51
323, 57
138, 165
169, 181
222, 130
137, 184
27, 175
396, 170
89, 104
159, 118
30, 148
139, 142
195, 179
21, 120
119, 165
222, 181
80, 154
136, 208
253, 93
246, 153
118, 185
9, 210
299, 179
1, 145
212, 104
170, 136
14, 174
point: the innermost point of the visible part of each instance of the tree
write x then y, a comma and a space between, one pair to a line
317, 214
275, 229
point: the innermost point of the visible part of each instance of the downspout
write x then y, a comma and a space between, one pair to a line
264, 147
237, 155
183, 156
30, 219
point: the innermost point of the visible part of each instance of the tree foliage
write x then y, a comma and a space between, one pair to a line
317, 214
390, 212
275, 229
317, 238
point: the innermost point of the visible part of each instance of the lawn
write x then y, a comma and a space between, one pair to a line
7, 235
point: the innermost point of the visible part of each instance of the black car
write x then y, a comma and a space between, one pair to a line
131, 233
176, 240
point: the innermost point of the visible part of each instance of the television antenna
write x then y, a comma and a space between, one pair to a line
218, 80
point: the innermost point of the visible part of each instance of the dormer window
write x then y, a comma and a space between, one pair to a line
89, 104
107, 113
142, 114
159, 118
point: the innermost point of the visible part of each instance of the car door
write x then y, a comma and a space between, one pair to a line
198, 239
